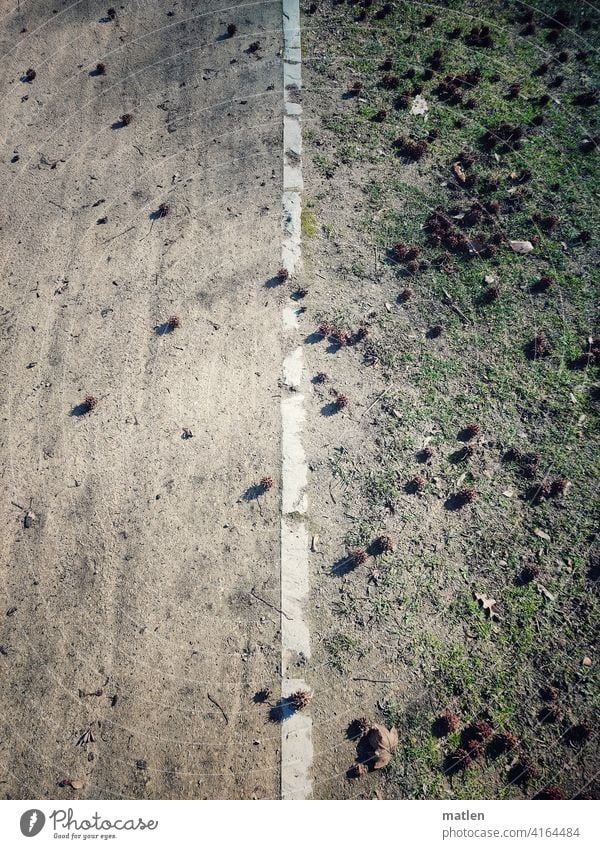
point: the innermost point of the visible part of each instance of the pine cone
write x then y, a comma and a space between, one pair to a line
300, 699
326, 328
467, 495
471, 430
549, 693
340, 337
559, 487
529, 573
459, 759
551, 791
480, 730
579, 733
266, 484
504, 742
523, 771
418, 483
363, 725
357, 557
448, 722
549, 713
474, 749
383, 544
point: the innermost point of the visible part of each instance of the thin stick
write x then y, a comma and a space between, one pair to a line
215, 702
456, 309
119, 234
272, 606
379, 397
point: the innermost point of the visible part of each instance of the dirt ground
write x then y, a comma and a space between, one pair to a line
451, 575
399, 635
132, 636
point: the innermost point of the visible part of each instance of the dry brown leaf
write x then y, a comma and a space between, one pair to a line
545, 592
487, 605
380, 738
86, 737
382, 758
541, 534
521, 247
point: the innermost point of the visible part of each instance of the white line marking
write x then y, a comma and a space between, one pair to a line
296, 729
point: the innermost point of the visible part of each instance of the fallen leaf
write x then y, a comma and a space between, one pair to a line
86, 737
487, 605
541, 534
29, 519
382, 758
458, 172
420, 106
587, 661
545, 592
521, 247
380, 738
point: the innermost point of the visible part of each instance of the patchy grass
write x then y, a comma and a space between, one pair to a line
308, 223
476, 369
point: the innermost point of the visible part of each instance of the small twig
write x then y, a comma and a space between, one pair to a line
268, 603
331, 494
456, 309
215, 702
119, 234
379, 397
376, 680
